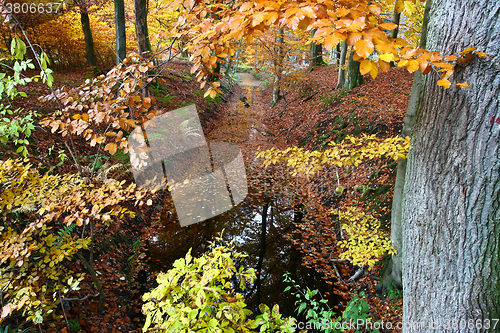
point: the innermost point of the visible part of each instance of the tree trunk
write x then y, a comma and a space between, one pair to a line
141, 26
89, 41
278, 66
394, 271
341, 78
451, 209
396, 16
121, 41
316, 53
263, 233
353, 77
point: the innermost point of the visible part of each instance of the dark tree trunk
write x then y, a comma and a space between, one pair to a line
141, 26
263, 233
353, 77
121, 41
89, 41
278, 66
451, 207
395, 19
316, 53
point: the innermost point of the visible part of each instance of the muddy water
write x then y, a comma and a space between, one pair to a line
257, 225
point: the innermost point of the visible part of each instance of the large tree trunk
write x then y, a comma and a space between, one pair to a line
353, 76
141, 25
451, 214
121, 40
316, 53
394, 271
87, 32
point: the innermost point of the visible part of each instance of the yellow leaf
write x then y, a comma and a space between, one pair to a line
468, 50
444, 83
412, 66
387, 57
374, 71
463, 85
364, 48
365, 66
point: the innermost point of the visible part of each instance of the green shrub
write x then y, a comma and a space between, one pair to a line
197, 295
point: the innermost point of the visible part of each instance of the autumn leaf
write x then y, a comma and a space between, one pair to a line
364, 48
444, 83
146, 102
111, 147
463, 85
365, 66
468, 50
331, 41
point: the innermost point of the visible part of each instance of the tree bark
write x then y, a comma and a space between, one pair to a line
278, 66
341, 78
394, 271
396, 16
451, 211
316, 53
353, 77
141, 26
121, 40
87, 32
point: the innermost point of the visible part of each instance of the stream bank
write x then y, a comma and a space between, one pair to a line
274, 207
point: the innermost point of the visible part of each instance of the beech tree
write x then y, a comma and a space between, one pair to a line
451, 205
121, 40
87, 32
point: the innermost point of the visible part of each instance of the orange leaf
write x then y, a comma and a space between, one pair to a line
146, 102
468, 50
331, 41
111, 147
384, 66
463, 85
412, 66
364, 48
481, 54
375, 9
444, 83
427, 70
388, 26
353, 38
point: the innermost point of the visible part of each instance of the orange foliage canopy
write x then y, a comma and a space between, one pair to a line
213, 27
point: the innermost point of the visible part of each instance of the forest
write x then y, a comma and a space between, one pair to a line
249, 166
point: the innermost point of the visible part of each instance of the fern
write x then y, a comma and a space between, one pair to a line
65, 232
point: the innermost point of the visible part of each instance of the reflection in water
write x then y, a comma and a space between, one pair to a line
269, 252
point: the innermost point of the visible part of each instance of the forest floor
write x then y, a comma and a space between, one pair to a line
311, 114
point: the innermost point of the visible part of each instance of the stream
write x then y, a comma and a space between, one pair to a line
258, 224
